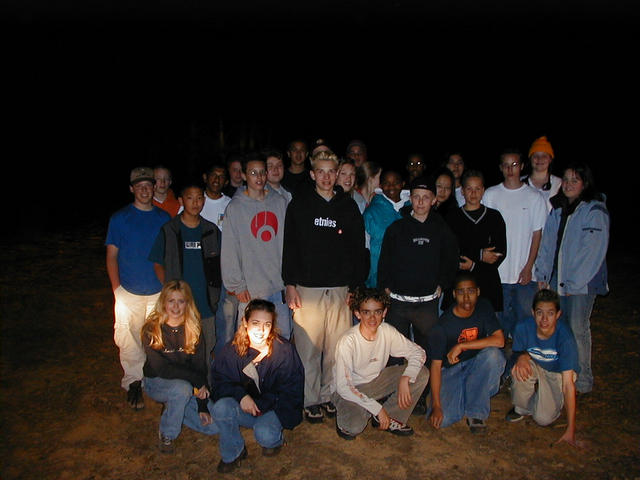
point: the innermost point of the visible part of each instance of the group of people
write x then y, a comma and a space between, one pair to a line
263, 294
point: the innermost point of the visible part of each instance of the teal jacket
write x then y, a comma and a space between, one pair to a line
377, 217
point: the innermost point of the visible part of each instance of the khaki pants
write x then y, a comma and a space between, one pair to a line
130, 313
543, 403
317, 326
352, 418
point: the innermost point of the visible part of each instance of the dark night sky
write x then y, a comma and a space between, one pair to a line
102, 86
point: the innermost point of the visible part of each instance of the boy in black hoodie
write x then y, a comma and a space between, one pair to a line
418, 260
324, 255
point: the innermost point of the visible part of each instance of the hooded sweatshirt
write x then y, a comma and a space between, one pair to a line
324, 242
252, 242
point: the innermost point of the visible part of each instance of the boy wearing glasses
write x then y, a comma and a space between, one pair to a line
524, 212
252, 241
362, 378
466, 360
132, 231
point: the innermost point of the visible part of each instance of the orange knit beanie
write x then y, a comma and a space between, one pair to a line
541, 145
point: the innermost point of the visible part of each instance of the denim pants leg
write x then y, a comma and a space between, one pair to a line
229, 418
576, 310
175, 394
225, 319
192, 418
284, 314
483, 381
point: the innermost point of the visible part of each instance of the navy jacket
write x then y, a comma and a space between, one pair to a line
281, 380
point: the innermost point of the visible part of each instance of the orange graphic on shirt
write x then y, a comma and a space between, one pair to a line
468, 334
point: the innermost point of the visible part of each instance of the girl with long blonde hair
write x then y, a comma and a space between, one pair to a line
175, 372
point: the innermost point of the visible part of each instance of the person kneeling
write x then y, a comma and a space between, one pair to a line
466, 360
258, 383
362, 378
176, 364
546, 368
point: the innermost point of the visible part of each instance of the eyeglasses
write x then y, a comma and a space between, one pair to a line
510, 165
415, 164
257, 173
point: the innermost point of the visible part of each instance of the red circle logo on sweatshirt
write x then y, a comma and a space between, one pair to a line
264, 226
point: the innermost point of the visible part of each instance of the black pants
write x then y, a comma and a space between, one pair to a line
423, 316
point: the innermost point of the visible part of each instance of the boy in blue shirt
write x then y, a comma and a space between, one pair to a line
545, 371
136, 288
188, 248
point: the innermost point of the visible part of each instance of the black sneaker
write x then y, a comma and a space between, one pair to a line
313, 414
342, 434
476, 425
329, 409
395, 427
134, 395
513, 416
231, 466
166, 444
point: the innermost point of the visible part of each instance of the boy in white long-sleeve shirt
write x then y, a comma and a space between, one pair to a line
361, 377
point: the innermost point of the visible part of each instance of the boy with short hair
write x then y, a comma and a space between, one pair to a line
466, 360
163, 196
252, 243
188, 248
362, 377
545, 371
135, 286
215, 201
275, 173
324, 256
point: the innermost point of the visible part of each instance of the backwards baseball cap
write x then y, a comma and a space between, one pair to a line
423, 183
141, 174
541, 145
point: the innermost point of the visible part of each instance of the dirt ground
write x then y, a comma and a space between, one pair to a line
64, 414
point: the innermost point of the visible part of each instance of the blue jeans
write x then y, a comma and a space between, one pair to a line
225, 319
180, 406
576, 312
517, 304
229, 418
467, 387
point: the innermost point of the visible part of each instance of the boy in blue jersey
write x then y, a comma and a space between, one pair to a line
545, 371
135, 286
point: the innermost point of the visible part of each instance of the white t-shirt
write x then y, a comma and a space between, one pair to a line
459, 196
556, 183
214, 209
524, 211
359, 361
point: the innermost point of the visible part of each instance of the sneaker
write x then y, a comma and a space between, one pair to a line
166, 444
329, 409
513, 416
313, 414
344, 435
231, 466
476, 425
395, 427
134, 395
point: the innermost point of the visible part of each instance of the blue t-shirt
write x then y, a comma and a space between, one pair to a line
558, 353
192, 264
133, 232
452, 329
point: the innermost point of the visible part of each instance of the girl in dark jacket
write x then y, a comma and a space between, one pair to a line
258, 383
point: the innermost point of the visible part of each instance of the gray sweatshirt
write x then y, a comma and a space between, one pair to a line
252, 242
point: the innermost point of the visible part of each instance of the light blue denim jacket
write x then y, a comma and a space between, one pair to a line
582, 267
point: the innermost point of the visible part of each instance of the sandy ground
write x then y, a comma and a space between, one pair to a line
64, 415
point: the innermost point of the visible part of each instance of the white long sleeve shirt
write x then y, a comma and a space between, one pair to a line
359, 361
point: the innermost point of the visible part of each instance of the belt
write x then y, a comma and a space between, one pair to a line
407, 298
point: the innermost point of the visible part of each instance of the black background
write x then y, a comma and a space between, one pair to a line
97, 88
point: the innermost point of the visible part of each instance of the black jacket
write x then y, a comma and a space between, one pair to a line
324, 242
416, 257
